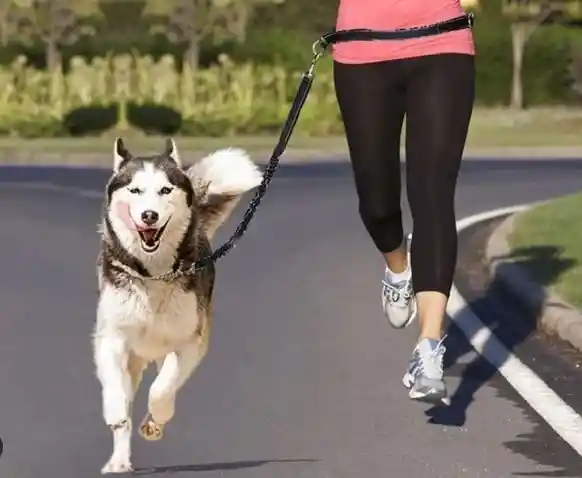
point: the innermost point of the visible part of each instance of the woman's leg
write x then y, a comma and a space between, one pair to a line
372, 99
439, 104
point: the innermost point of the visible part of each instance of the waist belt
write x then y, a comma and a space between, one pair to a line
364, 34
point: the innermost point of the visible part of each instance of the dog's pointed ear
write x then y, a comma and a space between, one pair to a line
120, 154
172, 152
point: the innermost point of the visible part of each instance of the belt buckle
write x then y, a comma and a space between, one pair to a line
471, 19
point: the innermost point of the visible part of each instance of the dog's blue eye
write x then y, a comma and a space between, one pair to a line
165, 190
135, 190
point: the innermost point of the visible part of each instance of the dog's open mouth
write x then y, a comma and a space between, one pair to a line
151, 237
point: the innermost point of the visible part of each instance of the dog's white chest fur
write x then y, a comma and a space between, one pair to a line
154, 317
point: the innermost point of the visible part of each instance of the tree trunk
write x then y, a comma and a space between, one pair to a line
241, 21
192, 54
122, 119
54, 66
53, 56
518, 40
188, 91
5, 26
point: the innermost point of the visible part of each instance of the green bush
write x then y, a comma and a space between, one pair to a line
280, 36
246, 97
154, 119
209, 126
493, 64
547, 60
275, 46
23, 126
44, 127
90, 120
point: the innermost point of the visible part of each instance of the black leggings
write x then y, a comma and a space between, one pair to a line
436, 94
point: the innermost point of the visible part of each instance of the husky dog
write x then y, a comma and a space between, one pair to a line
157, 216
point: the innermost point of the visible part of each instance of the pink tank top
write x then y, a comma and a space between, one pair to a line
394, 14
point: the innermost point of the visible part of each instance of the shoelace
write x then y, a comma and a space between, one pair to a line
435, 357
394, 292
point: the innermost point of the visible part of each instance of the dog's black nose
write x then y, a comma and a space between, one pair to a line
149, 217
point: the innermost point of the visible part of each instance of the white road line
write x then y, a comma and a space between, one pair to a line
558, 414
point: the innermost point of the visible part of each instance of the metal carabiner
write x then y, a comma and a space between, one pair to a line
318, 48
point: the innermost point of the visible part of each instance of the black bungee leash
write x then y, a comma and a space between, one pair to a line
319, 49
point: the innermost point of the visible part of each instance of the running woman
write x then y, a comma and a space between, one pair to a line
431, 82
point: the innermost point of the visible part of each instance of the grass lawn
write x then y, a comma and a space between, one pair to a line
154, 143
490, 128
529, 128
96, 151
547, 240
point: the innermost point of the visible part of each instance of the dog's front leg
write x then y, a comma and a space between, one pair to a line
173, 374
111, 359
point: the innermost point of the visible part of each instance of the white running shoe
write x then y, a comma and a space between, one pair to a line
424, 376
398, 300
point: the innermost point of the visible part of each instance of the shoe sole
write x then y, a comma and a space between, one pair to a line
432, 396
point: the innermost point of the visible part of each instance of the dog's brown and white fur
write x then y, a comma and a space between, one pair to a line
157, 216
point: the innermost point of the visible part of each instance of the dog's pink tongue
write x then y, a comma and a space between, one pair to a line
124, 214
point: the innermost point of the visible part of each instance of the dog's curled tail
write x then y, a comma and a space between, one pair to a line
220, 180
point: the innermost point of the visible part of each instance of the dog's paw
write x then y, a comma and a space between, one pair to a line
150, 430
117, 465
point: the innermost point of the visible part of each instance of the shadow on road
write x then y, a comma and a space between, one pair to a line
227, 466
539, 258
491, 306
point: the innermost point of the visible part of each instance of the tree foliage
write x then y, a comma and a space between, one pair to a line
55, 22
192, 21
526, 17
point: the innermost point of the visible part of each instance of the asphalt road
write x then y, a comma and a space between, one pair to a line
303, 375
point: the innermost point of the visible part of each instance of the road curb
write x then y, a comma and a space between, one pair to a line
294, 155
555, 316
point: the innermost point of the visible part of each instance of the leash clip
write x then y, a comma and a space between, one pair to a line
318, 48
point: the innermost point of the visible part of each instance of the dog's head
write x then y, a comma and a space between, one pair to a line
149, 201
